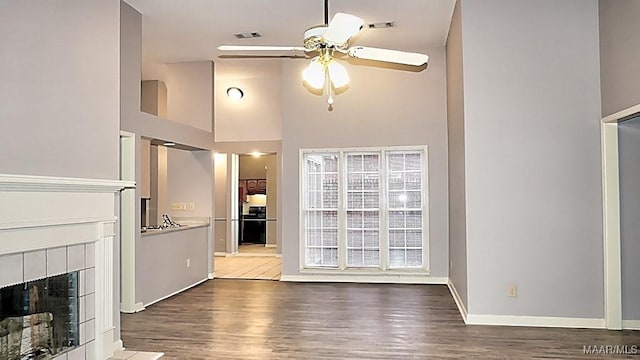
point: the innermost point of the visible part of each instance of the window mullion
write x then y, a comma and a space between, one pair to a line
342, 213
384, 209
424, 192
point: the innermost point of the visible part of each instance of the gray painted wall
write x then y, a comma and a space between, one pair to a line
382, 107
629, 145
619, 54
533, 169
455, 122
258, 117
59, 90
130, 63
189, 175
190, 94
251, 167
161, 266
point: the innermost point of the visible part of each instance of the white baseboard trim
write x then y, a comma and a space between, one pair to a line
458, 300
107, 342
176, 292
537, 321
118, 345
137, 307
220, 253
271, 245
211, 276
372, 279
631, 324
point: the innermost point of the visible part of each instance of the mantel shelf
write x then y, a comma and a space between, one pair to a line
32, 183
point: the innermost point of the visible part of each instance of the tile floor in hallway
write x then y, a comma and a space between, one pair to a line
248, 267
256, 249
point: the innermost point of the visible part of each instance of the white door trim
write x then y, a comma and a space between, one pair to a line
611, 216
128, 222
611, 225
233, 230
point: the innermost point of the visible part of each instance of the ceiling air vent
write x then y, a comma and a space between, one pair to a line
247, 35
381, 25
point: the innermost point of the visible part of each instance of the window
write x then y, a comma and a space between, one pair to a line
321, 215
364, 209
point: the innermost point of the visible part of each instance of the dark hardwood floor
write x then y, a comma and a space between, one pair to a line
253, 319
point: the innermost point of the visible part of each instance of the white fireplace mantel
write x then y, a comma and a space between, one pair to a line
40, 212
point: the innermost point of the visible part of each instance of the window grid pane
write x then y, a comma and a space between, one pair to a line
405, 232
363, 209
362, 205
321, 210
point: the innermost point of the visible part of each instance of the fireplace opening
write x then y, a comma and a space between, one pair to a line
39, 319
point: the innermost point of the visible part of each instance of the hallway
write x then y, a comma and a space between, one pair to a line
242, 266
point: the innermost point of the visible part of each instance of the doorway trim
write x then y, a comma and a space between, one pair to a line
611, 216
128, 223
233, 230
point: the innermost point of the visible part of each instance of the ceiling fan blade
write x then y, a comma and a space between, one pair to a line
341, 28
386, 55
260, 48
266, 56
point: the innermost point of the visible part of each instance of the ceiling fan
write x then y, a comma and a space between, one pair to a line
324, 43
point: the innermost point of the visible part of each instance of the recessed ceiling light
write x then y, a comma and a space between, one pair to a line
169, 144
235, 93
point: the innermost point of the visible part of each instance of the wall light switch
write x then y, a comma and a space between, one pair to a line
192, 206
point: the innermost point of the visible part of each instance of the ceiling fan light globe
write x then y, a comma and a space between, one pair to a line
313, 75
338, 74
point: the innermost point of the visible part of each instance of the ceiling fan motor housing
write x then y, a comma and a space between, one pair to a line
313, 37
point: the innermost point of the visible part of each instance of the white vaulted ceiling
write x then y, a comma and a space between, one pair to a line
190, 30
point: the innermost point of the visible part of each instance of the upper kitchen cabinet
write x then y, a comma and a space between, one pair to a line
154, 98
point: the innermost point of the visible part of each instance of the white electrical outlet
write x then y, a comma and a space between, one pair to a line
188, 262
512, 290
179, 206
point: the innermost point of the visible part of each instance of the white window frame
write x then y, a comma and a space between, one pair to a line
384, 209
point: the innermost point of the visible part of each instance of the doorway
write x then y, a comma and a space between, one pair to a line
255, 205
249, 182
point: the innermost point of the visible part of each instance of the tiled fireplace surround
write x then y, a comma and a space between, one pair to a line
22, 267
51, 226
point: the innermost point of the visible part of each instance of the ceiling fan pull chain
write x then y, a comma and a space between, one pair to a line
329, 87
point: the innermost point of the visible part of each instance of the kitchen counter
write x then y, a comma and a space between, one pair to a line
171, 260
182, 227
